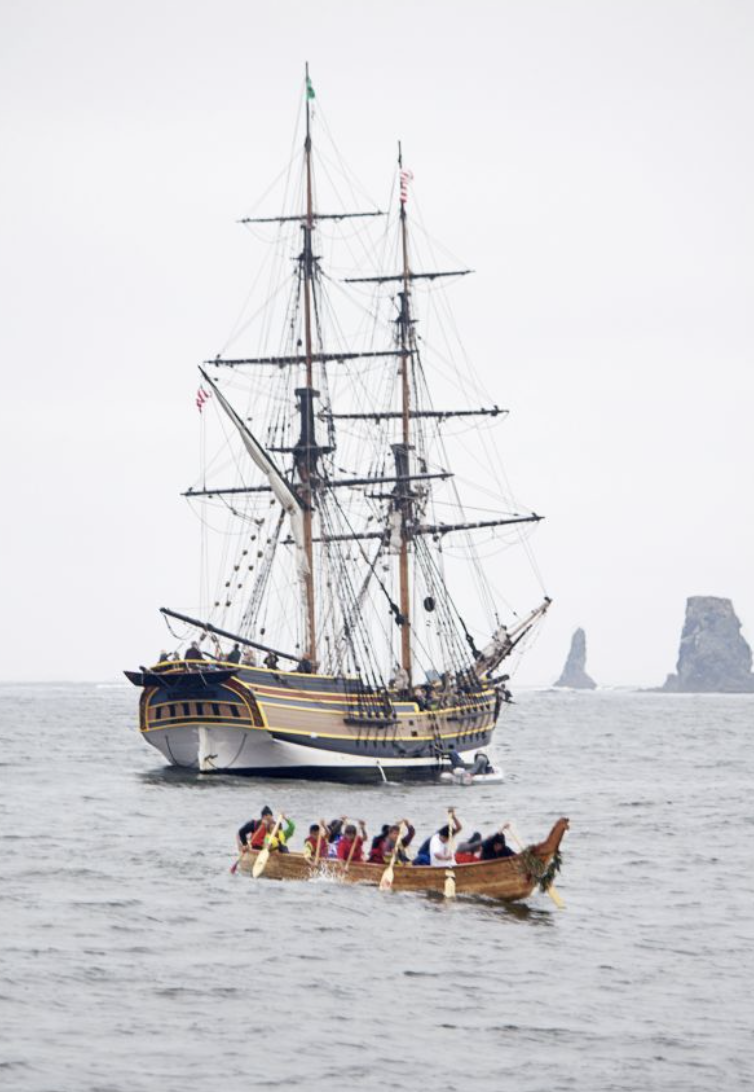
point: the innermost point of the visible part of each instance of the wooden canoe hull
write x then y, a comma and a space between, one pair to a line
505, 879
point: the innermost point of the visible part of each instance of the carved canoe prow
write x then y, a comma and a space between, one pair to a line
546, 850
506, 878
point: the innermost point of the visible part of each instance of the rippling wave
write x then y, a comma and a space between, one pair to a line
133, 960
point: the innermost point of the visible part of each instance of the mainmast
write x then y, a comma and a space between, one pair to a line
307, 454
401, 451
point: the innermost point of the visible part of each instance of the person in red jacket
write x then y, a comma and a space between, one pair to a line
349, 839
382, 851
263, 835
315, 846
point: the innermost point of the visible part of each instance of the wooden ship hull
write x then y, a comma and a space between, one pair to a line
507, 878
226, 718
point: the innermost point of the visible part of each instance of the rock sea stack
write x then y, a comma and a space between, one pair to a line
574, 673
713, 657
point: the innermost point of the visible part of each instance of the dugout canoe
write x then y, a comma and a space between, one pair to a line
509, 878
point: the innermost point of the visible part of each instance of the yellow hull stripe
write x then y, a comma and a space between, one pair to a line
437, 714
307, 695
320, 735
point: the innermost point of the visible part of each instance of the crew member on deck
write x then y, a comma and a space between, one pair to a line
271, 661
400, 680
246, 831
234, 656
193, 652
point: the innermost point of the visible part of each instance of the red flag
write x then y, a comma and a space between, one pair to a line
406, 177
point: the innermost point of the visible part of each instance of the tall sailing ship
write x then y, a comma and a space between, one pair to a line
347, 566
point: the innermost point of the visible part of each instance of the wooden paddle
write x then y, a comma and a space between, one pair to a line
236, 863
551, 890
386, 880
264, 854
321, 837
450, 876
353, 846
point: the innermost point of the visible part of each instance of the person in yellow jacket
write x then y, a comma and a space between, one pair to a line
261, 836
316, 845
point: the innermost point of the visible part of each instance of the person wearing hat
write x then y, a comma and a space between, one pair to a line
266, 833
243, 838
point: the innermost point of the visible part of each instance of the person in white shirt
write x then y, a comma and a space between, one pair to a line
441, 852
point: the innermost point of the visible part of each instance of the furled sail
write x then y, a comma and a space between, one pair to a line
504, 640
279, 486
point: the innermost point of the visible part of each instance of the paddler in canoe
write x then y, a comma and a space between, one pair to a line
501, 874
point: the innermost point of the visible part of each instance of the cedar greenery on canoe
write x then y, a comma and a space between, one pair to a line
508, 878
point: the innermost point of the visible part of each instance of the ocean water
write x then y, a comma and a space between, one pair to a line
133, 961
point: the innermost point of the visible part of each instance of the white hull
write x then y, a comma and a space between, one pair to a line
465, 777
213, 749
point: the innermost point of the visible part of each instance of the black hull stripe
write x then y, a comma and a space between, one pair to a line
345, 775
376, 748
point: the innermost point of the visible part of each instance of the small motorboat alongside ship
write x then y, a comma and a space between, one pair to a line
510, 879
459, 775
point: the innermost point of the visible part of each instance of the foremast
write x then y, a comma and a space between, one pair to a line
402, 451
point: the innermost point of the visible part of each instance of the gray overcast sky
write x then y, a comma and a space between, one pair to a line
592, 161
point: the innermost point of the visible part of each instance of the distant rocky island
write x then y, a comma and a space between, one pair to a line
713, 657
574, 673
